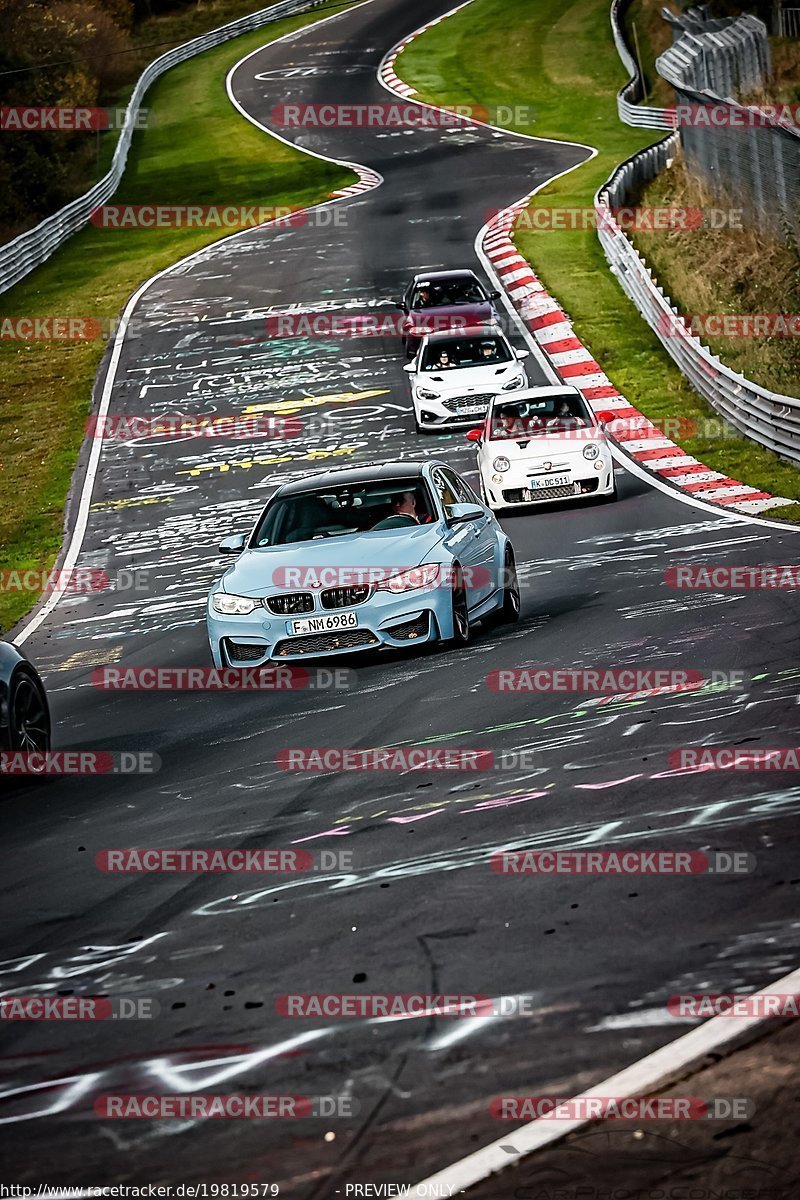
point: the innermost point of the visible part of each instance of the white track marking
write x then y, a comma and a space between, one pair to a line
650, 1074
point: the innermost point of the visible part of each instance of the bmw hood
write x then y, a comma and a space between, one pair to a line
295, 567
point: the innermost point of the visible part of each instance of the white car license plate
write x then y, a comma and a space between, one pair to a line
549, 481
470, 410
331, 621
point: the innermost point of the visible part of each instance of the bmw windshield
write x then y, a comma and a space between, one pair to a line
336, 512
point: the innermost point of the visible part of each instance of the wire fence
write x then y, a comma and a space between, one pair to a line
30, 249
769, 418
747, 151
787, 22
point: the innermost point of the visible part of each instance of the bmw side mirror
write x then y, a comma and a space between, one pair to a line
460, 513
475, 435
494, 295
604, 416
233, 544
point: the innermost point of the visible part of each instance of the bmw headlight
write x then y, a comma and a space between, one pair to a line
425, 394
591, 451
239, 606
517, 382
501, 464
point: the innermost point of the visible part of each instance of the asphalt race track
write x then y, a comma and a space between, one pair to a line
421, 910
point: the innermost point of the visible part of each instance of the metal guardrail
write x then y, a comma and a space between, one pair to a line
630, 111
766, 417
32, 248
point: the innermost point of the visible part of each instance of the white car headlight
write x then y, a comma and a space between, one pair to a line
240, 606
517, 382
426, 394
409, 581
591, 451
501, 464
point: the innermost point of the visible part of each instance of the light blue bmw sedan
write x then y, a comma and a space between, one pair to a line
382, 555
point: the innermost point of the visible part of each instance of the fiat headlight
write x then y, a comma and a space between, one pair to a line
501, 464
591, 452
238, 606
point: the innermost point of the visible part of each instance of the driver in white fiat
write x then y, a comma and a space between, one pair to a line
543, 444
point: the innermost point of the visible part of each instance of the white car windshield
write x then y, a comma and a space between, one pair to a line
455, 353
537, 418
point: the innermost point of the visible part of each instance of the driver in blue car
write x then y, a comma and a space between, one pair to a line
404, 512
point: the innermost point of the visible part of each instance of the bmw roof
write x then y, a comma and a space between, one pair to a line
355, 475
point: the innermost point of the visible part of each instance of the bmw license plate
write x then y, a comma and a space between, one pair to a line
326, 624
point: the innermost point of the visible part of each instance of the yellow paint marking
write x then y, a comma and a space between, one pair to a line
286, 407
92, 658
130, 502
271, 460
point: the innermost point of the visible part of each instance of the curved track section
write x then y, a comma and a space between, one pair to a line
420, 910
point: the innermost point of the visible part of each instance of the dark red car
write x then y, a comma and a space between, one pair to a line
445, 301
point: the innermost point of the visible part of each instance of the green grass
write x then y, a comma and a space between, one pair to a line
558, 56
198, 149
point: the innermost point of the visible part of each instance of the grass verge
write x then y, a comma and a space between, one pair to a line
558, 56
198, 150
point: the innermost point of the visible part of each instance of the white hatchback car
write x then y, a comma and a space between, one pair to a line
454, 376
541, 445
